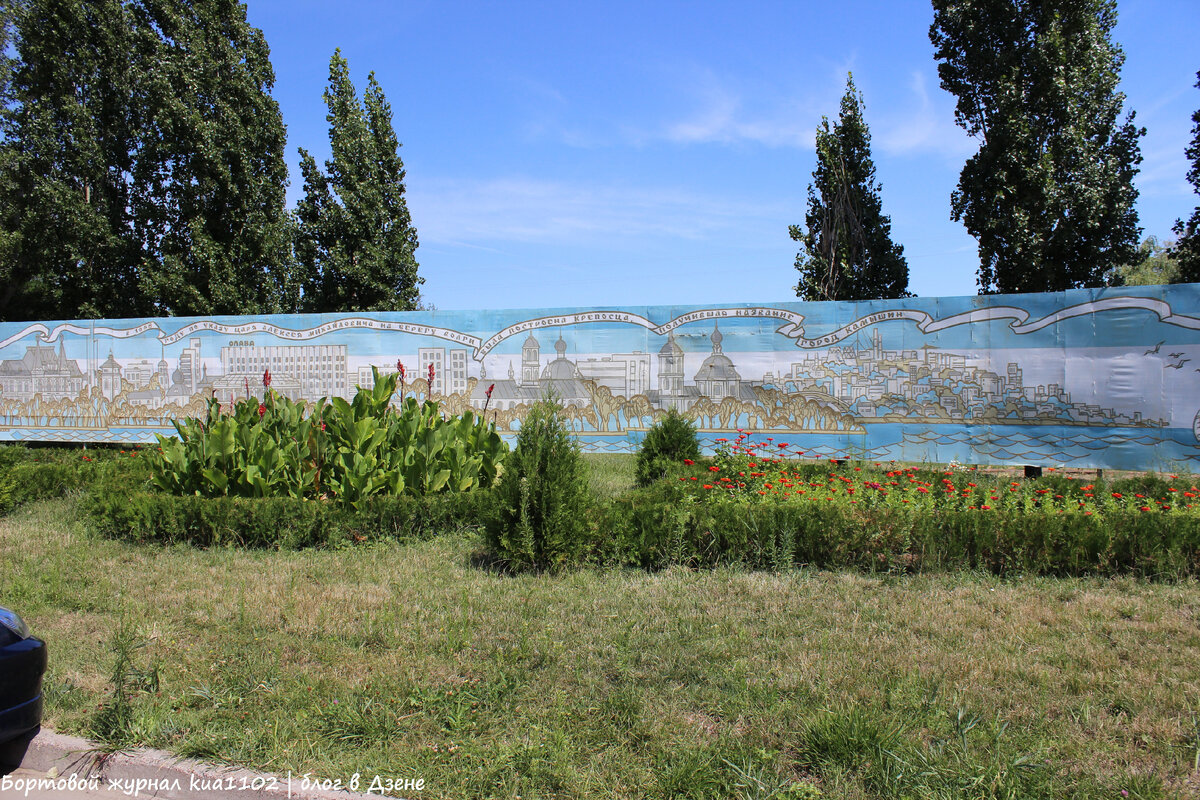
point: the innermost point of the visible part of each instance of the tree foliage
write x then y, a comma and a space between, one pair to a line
848, 252
1050, 195
144, 162
356, 244
1187, 250
1155, 264
210, 170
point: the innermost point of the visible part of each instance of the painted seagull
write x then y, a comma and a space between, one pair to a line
1176, 366
1154, 352
1174, 355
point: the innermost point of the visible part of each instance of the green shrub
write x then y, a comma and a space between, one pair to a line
277, 522
541, 516
47, 474
6, 492
667, 445
894, 522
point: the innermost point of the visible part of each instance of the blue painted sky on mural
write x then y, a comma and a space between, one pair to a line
630, 153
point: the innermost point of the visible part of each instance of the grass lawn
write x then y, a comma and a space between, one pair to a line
414, 661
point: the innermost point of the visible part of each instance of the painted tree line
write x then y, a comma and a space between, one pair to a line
142, 172
1049, 196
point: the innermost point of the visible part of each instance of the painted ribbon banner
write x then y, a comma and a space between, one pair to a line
1102, 378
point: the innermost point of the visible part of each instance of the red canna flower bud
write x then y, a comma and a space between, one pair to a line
400, 369
431, 374
261, 410
488, 393
267, 377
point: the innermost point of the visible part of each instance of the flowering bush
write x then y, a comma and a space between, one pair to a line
764, 505
344, 451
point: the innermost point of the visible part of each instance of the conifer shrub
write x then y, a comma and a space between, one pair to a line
667, 445
541, 517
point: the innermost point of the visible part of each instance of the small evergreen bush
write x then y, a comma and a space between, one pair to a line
541, 517
667, 444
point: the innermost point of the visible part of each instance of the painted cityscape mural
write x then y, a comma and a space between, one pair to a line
1089, 378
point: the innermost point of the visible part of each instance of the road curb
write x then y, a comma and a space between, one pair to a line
162, 775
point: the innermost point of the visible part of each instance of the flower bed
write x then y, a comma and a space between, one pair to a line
759, 504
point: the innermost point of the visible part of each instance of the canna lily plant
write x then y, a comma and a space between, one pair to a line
341, 451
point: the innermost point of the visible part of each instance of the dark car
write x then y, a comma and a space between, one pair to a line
22, 664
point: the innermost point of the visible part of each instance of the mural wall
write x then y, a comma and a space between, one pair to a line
1089, 378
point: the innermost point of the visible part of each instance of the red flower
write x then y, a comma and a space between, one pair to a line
488, 393
431, 374
400, 369
714, 469
688, 461
261, 410
267, 377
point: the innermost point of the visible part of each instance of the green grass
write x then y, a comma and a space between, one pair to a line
610, 473
413, 661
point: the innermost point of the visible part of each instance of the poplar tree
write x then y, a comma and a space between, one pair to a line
143, 163
356, 244
848, 252
1050, 194
67, 163
210, 172
1187, 248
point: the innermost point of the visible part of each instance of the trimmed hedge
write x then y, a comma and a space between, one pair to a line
277, 522
47, 474
663, 525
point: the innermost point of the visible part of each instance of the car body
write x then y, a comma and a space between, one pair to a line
22, 664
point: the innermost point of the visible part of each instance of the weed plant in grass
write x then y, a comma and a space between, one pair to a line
409, 660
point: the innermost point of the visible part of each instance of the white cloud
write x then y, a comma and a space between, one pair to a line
728, 112
723, 119
527, 210
924, 126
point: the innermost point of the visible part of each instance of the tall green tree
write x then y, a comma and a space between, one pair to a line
356, 244
1187, 249
209, 175
67, 164
848, 252
1050, 194
7, 187
145, 157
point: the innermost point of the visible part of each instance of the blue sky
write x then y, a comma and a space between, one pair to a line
570, 154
